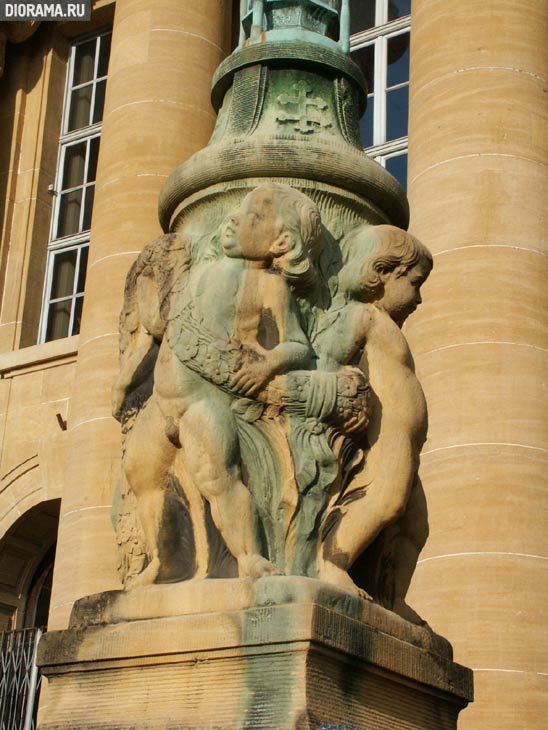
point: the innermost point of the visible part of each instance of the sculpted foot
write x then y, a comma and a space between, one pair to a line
402, 609
147, 577
255, 566
331, 573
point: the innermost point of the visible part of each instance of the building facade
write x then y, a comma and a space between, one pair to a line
95, 116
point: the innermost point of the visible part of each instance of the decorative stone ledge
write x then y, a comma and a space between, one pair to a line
291, 665
38, 356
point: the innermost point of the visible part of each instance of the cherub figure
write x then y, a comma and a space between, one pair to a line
379, 287
232, 329
143, 320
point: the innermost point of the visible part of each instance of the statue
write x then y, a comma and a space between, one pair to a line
384, 269
235, 328
271, 413
271, 419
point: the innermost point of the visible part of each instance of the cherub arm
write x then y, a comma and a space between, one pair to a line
130, 362
292, 352
141, 324
344, 342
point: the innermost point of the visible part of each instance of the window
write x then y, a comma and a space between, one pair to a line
75, 187
379, 43
39, 592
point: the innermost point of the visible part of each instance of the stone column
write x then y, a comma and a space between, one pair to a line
157, 114
478, 188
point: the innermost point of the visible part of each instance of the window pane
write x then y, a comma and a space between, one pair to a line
397, 111
398, 9
58, 320
83, 269
64, 267
69, 213
88, 207
75, 181
366, 123
99, 101
365, 58
84, 63
397, 166
362, 15
92, 162
43, 600
104, 54
80, 106
78, 302
73, 171
398, 59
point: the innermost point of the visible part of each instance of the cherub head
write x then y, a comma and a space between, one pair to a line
277, 225
387, 265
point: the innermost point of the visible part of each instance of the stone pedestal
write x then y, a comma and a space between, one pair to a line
280, 654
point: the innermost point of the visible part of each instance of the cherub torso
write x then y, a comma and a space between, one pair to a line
237, 301
366, 336
229, 302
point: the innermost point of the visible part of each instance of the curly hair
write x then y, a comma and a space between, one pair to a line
301, 218
370, 251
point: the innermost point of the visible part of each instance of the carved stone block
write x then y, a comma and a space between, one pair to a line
285, 654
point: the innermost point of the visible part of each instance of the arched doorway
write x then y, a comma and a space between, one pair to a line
27, 553
27, 556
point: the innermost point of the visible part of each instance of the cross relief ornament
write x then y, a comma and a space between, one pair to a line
306, 112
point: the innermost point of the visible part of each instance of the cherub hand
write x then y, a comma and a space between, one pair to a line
356, 422
252, 375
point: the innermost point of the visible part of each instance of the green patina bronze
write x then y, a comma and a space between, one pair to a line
289, 100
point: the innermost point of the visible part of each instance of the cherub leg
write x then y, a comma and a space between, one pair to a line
212, 459
376, 499
146, 463
409, 541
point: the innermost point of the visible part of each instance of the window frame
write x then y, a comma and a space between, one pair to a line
79, 239
378, 37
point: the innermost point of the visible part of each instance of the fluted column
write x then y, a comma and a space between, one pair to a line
157, 113
478, 187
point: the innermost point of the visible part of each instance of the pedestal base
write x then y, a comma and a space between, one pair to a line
295, 665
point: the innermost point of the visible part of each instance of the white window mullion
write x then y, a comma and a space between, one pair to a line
46, 298
381, 12
76, 271
94, 86
84, 178
71, 316
96, 59
68, 92
92, 103
57, 193
74, 287
64, 243
379, 120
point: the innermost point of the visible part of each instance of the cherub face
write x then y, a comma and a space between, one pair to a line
251, 232
401, 292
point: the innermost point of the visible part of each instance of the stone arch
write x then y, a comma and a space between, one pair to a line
35, 479
27, 552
